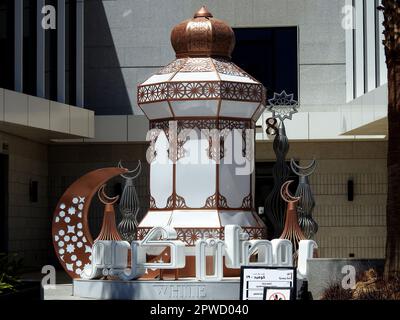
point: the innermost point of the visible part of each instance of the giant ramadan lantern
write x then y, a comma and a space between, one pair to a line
201, 223
201, 108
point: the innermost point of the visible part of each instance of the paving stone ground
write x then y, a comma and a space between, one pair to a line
63, 290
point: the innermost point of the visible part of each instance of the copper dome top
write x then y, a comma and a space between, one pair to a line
203, 36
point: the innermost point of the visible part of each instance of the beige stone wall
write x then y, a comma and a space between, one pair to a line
29, 223
357, 227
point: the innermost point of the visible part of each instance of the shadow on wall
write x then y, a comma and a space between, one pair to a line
67, 163
105, 89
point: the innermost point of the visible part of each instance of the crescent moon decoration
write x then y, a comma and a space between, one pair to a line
307, 203
303, 171
109, 228
129, 204
285, 193
292, 230
133, 172
104, 198
70, 229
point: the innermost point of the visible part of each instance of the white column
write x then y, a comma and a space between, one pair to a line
18, 44
359, 48
349, 52
61, 50
382, 57
370, 45
40, 51
80, 53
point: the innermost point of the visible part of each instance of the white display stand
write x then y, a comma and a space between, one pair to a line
188, 289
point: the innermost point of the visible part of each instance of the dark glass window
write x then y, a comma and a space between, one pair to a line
270, 56
7, 44
51, 59
29, 47
70, 51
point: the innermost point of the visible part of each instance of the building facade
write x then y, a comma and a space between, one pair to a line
327, 53
40, 100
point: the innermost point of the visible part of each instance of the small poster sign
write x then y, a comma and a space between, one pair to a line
273, 294
254, 280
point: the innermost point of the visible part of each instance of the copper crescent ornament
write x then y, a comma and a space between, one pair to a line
70, 229
108, 229
105, 199
285, 193
292, 230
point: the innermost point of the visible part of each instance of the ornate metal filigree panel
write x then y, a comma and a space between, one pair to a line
211, 202
190, 235
173, 67
205, 90
153, 204
247, 202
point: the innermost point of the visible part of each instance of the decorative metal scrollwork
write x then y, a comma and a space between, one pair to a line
129, 204
282, 106
180, 202
211, 202
275, 207
272, 130
306, 203
247, 202
292, 230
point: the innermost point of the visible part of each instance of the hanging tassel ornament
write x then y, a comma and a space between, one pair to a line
306, 203
129, 204
108, 229
292, 230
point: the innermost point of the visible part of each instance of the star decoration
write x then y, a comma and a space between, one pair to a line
70, 248
71, 229
283, 106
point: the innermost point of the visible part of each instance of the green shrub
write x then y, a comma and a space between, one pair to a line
10, 268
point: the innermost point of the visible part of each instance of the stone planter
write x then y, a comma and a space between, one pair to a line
326, 271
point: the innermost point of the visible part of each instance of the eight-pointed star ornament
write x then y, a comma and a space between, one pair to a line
283, 106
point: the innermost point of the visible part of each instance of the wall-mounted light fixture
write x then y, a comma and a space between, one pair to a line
350, 190
33, 191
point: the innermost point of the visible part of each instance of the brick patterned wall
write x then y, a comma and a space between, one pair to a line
345, 227
29, 227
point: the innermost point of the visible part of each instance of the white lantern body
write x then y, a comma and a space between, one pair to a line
198, 185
